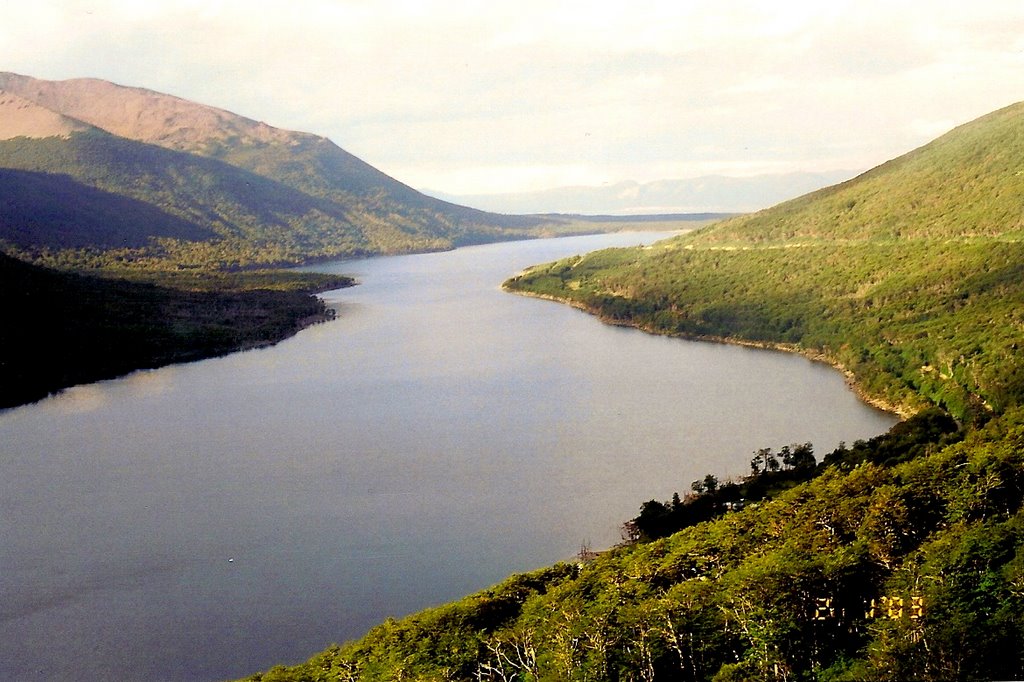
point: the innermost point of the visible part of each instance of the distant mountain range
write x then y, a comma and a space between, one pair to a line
214, 188
711, 193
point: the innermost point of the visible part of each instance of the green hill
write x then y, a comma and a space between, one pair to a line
247, 219
967, 183
901, 557
909, 276
171, 223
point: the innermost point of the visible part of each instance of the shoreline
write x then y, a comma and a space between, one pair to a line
29, 392
901, 411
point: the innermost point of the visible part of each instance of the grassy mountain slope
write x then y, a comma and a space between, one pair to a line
908, 276
62, 329
880, 567
968, 183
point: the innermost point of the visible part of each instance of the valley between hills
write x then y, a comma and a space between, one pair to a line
155, 229
151, 230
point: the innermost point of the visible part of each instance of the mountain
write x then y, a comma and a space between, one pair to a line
713, 193
147, 116
270, 195
307, 162
226, 215
175, 198
901, 557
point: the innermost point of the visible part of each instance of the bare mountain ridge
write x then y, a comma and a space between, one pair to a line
145, 115
181, 125
20, 117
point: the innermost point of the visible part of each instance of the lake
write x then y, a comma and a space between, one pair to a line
212, 519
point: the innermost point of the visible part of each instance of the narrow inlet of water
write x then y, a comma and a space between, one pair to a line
208, 520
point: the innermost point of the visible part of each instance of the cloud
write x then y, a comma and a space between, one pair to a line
466, 93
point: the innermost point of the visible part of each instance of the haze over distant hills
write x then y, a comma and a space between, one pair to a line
711, 193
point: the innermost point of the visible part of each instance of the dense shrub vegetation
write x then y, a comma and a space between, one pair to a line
908, 277
911, 571
916, 321
772, 473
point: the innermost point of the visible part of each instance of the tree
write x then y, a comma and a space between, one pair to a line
764, 461
797, 456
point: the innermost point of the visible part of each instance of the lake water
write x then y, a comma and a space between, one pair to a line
209, 520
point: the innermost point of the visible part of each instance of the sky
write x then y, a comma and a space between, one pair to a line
486, 97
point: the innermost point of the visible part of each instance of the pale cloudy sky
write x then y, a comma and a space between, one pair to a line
472, 97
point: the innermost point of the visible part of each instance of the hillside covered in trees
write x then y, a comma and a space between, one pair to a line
912, 571
896, 558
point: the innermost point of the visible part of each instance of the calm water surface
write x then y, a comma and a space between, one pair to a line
209, 520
